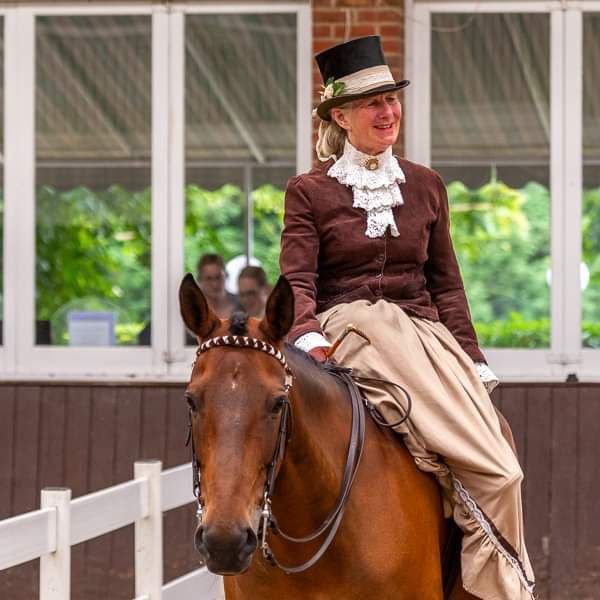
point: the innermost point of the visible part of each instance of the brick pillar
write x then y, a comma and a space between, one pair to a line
335, 21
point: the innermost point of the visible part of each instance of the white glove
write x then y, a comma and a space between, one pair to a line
487, 376
310, 340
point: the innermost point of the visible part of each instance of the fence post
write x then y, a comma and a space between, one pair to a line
148, 533
55, 568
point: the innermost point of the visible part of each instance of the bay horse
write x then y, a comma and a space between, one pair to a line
390, 540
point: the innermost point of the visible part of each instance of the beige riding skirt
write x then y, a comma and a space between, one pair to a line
453, 432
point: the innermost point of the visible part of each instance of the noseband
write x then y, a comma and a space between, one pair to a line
355, 448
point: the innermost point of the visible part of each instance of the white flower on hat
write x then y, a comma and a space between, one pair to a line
327, 92
331, 89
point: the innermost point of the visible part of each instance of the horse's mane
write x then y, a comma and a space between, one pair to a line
305, 357
312, 371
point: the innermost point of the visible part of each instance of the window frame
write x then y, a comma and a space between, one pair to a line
166, 359
565, 355
182, 356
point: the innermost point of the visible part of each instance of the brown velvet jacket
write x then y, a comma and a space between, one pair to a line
328, 259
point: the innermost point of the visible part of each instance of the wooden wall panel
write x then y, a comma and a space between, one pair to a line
537, 465
26, 451
103, 436
87, 438
78, 434
7, 450
52, 437
154, 423
513, 407
24, 489
587, 493
127, 451
78, 425
564, 483
179, 524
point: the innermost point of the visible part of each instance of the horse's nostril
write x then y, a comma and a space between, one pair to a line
198, 539
251, 542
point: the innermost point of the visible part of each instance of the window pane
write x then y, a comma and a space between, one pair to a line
590, 270
240, 141
93, 201
267, 208
490, 122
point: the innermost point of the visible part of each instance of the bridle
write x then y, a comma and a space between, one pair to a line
355, 449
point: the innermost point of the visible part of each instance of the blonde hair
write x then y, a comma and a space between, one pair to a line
330, 140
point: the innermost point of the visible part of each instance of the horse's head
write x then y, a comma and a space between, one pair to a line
236, 396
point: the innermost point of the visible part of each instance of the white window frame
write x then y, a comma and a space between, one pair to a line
11, 236
565, 355
165, 359
181, 356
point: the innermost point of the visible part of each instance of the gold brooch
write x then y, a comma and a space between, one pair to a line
372, 163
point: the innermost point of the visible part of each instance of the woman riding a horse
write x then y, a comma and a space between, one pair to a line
366, 241
282, 460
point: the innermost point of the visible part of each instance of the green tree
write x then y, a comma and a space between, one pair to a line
93, 249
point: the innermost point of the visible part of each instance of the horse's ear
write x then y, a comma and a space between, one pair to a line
279, 312
196, 314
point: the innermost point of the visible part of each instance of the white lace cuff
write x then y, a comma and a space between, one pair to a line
487, 376
310, 340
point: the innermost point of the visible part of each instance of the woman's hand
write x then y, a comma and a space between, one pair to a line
315, 344
318, 354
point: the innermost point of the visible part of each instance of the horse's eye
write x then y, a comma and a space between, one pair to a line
279, 403
191, 402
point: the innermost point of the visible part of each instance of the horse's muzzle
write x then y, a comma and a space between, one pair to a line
226, 551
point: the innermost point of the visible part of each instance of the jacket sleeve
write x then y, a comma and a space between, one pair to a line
299, 257
444, 281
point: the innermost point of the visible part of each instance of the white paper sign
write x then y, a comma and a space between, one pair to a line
88, 328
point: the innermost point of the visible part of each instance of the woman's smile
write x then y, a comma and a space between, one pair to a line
372, 123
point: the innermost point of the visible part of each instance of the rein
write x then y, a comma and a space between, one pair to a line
355, 449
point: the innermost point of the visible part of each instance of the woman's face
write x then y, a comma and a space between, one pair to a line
252, 296
212, 281
372, 123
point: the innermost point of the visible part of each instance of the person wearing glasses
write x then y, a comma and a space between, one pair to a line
253, 290
211, 277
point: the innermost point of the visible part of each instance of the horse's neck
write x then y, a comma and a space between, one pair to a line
312, 467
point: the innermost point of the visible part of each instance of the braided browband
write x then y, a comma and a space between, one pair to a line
242, 341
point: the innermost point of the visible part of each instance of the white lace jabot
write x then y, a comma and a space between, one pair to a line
374, 182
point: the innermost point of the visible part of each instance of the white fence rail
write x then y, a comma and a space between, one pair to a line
49, 533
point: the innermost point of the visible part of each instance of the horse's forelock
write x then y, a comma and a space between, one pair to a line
238, 323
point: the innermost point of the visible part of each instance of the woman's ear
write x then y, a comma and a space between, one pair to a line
337, 114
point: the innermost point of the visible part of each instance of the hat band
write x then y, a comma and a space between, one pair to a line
366, 80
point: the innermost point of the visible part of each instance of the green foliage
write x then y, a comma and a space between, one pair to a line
93, 252
591, 255
514, 332
93, 248
501, 238
214, 222
268, 223
93, 244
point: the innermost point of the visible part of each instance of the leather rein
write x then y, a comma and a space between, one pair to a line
356, 441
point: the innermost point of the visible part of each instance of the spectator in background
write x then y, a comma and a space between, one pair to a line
211, 277
253, 290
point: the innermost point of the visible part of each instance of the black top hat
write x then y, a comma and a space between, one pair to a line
353, 70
